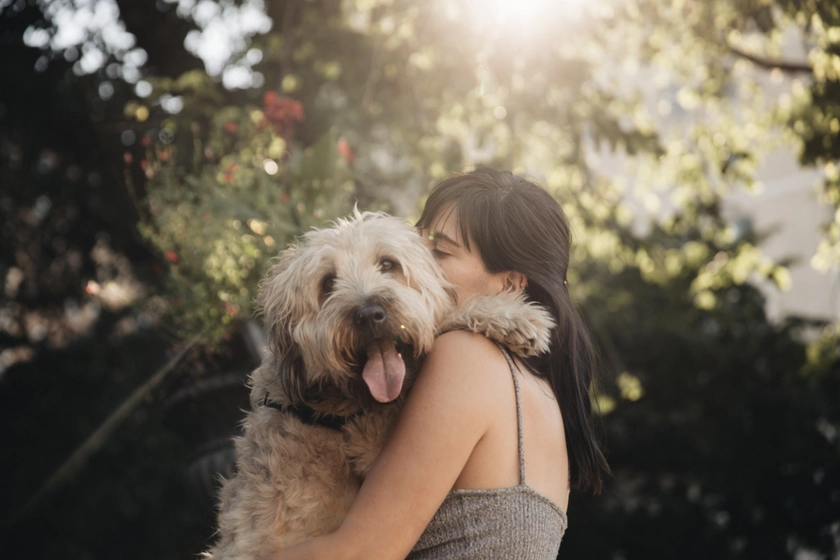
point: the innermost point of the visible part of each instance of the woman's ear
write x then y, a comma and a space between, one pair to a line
515, 281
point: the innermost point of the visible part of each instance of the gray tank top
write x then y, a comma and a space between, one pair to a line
515, 523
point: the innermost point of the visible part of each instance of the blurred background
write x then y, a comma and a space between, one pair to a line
155, 154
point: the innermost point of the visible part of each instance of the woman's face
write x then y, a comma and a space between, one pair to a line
463, 267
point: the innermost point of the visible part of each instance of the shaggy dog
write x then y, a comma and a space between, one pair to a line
350, 311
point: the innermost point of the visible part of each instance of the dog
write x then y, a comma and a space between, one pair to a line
350, 311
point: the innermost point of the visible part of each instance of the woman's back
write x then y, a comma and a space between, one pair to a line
488, 514
494, 462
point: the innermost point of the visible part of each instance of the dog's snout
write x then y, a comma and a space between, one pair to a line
370, 316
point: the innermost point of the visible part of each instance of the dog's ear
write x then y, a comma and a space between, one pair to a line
280, 298
290, 371
423, 275
427, 277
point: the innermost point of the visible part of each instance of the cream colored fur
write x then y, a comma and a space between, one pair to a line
295, 480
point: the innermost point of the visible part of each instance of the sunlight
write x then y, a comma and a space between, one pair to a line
526, 19
530, 12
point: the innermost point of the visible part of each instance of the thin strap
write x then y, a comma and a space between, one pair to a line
514, 372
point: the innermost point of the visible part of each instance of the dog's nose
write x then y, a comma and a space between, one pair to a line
370, 316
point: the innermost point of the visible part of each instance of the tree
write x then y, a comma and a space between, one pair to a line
770, 63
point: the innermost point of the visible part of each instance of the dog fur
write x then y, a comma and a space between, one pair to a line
296, 480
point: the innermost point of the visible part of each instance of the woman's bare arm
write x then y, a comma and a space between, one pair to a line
445, 416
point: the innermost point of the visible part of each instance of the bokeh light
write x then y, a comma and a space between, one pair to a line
528, 19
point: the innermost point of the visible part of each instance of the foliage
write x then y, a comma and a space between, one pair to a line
362, 67
722, 432
720, 425
773, 64
221, 202
454, 83
73, 341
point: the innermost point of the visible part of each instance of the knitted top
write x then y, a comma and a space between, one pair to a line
516, 522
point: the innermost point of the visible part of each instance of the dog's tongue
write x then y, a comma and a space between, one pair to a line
384, 370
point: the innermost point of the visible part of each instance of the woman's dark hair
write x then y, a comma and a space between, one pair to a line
516, 225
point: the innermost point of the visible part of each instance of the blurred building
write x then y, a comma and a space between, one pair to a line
786, 209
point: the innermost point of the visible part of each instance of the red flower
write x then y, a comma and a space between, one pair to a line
127, 157
163, 155
146, 141
93, 288
345, 151
172, 256
231, 308
228, 177
285, 197
231, 127
283, 113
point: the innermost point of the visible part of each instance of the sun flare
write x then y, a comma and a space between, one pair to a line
530, 11
524, 16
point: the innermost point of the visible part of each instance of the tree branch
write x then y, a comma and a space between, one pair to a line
100, 436
784, 65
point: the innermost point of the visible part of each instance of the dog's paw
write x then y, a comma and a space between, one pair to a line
507, 318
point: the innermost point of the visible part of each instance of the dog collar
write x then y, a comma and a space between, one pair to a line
308, 415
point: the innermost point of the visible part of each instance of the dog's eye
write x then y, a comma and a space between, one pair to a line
327, 284
387, 265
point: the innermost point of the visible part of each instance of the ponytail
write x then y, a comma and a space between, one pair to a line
569, 367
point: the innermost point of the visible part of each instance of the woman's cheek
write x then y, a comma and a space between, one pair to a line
445, 267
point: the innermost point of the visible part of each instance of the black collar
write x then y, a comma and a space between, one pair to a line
307, 415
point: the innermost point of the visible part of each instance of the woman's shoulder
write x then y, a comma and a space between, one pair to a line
466, 355
462, 343
460, 382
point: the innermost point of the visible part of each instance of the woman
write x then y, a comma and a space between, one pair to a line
451, 480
